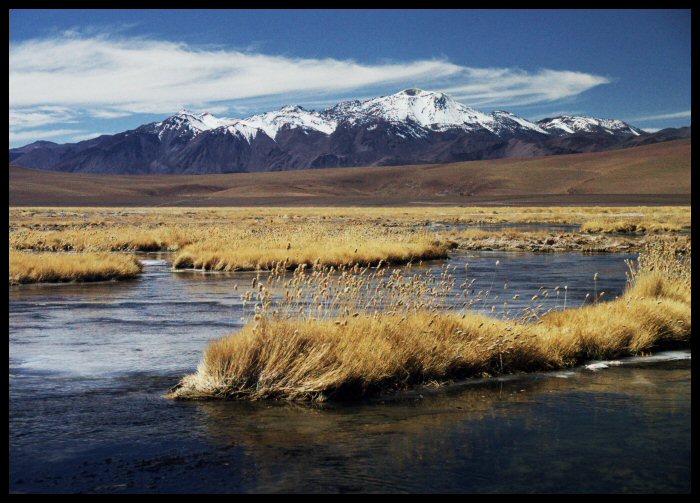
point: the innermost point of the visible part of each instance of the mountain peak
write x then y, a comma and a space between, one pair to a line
414, 91
428, 109
571, 124
419, 109
292, 108
408, 127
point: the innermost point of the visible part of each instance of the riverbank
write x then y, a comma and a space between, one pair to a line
285, 355
79, 267
551, 242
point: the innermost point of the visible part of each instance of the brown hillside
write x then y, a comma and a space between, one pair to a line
651, 174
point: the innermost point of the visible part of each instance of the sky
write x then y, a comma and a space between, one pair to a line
77, 74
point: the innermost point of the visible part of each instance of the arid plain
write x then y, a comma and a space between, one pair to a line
651, 174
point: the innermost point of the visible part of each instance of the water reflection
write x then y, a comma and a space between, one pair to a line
163, 320
89, 364
482, 436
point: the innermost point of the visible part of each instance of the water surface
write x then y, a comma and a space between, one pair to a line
89, 365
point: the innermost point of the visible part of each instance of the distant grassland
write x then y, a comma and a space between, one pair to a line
261, 238
630, 226
114, 229
57, 268
650, 174
226, 239
149, 216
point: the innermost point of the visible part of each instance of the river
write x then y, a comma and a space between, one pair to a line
89, 364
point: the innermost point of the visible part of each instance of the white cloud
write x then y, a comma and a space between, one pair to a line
675, 115
651, 129
22, 118
39, 134
139, 75
88, 136
108, 77
108, 114
515, 87
555, 113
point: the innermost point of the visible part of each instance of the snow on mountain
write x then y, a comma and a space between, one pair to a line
287, 117
270, 123
409, 127
431, 110
190, 123
566, 124
417, 112
511, 122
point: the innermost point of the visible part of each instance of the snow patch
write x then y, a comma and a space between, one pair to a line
566, 124
414, 111
603, 365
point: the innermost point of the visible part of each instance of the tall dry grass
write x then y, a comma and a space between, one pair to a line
414, 214
52, 268
353, 346
117, 229
93, 238
293, 245
629, 226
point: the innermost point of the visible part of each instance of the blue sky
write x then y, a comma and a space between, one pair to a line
75, 74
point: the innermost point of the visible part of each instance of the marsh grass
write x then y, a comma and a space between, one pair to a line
543, 241
43, 217
366, 337
629, 226
55, 268
89, 238
270, 247
148, 229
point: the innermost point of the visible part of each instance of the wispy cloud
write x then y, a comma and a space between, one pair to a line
107, 114
70, 76
22, 118
141, 75
675, 115
556, 113
87, 136
151, 76
514, 87
40, 134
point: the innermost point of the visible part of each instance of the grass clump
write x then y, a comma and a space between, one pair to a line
628, 226
57, 268
91, 238
366, 337
308, 244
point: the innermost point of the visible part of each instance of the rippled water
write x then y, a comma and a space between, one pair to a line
89, 365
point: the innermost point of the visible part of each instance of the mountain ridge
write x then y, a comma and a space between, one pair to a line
649, 174
411, 126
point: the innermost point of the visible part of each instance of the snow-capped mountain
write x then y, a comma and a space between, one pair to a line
569, 124
429, 110
425, 110
411, 126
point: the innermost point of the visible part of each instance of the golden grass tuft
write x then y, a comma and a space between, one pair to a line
92, 238
148, 229
308, 244
629, 226
366, 352
56, 268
